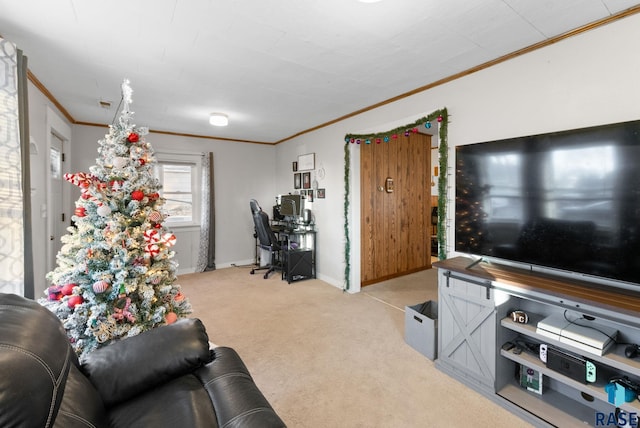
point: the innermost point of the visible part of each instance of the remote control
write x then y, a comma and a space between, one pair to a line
543, 353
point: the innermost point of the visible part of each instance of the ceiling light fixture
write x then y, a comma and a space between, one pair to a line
219, 119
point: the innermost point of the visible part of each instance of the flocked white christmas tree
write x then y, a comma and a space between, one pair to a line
115, 274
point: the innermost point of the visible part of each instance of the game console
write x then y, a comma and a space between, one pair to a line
594, 338
573, 366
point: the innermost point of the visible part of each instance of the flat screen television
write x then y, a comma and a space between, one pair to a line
565, 202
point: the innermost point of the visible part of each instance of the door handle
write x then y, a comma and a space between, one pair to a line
388, 185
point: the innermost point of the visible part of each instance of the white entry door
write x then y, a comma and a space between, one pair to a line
58, 220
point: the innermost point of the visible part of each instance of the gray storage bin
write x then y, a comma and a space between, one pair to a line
421, 328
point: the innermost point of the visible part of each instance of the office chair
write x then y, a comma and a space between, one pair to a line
267, 239
255, 207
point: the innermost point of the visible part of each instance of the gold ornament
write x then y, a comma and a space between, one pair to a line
105, 330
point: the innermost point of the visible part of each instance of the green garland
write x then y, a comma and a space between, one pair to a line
347, 241
442, 117
443, 151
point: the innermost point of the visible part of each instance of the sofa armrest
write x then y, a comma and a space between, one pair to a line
236, 398
35, 357
130, 366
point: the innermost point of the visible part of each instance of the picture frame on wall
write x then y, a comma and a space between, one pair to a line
320, 194
303, 192
294, 166
306, 180
297, 180
310, 195
307, 162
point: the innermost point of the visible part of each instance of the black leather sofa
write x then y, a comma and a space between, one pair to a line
164, 377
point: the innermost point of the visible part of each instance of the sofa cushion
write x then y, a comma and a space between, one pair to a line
35, 357
181, 402
133, 365
81, 405
237, 400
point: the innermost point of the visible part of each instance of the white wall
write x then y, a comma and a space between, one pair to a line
242, 171
589, 79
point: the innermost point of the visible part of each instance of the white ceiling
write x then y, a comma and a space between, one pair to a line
276, 67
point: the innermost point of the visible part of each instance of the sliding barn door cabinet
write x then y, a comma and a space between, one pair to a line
480, 345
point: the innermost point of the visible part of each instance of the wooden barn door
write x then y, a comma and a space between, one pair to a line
396, 215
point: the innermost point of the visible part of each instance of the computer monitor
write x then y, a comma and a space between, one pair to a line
291, 205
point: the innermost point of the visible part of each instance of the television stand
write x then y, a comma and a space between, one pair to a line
475, 332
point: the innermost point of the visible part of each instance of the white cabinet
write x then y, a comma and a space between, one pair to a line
474, 325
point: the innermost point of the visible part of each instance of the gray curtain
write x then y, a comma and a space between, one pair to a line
23, 107
207, 250
16, 260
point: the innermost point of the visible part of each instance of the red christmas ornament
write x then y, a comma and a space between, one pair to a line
152, 250
394, 136
170, 318
155, 217
142, 161
80, 212
168, 239
67, 289
151, 236
137, 195
54, 292
415, 130
378, 140
440, 119
153, 196
74, 301
133, 137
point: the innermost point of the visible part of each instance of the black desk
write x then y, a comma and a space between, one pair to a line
299, 253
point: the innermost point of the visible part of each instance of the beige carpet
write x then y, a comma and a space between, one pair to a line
325, 358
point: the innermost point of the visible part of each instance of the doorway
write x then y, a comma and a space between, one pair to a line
57, 205
57, 220
395, 207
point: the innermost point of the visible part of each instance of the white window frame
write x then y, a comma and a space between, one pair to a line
193, 159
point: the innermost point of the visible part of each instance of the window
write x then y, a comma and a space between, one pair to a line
179, 176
